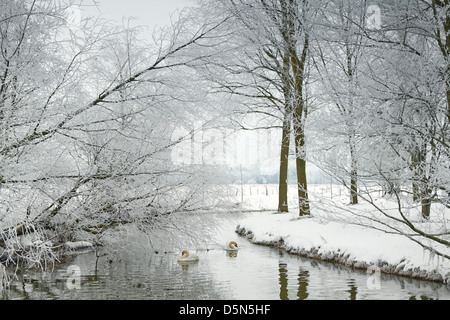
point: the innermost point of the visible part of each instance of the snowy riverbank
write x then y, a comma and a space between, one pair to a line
328, 235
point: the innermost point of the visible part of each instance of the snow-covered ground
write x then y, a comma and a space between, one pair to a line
339, 232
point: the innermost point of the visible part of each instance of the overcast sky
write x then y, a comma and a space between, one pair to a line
147, 12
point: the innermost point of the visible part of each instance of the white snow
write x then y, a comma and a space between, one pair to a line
330, 234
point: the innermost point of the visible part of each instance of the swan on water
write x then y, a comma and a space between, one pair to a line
232, 246
186, 256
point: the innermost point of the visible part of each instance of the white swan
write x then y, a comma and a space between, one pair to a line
186, 257
232, 246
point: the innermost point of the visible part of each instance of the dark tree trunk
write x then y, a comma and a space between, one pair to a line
284, 164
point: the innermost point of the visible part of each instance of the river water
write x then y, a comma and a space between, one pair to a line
254, 273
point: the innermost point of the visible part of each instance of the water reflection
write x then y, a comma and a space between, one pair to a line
253, 273
311, 279
420, 298
303, 278
284, 293
185, 265
353, 290
302, 284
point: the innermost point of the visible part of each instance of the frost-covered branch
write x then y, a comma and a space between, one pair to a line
87, 115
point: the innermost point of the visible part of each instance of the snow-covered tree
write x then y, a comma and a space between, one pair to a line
401, 112
86, 117
268, 70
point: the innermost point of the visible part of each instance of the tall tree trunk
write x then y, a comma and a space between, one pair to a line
425, 194
443, 39
354, 171
426, 207
300, 115
420, 183
287, 121
284, 164
302, 184
415, 166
